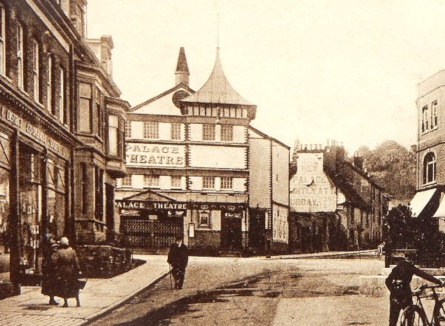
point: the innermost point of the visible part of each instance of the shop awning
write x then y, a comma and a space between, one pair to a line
420, 200
440, 213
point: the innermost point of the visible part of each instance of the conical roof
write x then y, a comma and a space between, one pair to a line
182, 65
217, 89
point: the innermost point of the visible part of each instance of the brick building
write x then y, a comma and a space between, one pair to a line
193, 169
428, 200
61, 130
334, 204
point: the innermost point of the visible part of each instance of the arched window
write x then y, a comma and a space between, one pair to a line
425, 118
429, 168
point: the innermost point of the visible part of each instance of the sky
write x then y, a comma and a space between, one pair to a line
317, 70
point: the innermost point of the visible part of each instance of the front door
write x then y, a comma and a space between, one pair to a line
231, 233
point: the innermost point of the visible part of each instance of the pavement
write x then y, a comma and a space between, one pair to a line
98, 297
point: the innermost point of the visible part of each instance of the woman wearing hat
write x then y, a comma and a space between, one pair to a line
67, 272
49, 285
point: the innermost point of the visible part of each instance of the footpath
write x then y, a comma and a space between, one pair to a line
98, 297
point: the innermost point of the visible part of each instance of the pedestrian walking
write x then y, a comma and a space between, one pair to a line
49, 284
398, 283
67, 271
178, 259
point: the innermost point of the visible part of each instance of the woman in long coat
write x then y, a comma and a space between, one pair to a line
49, 285
67, 272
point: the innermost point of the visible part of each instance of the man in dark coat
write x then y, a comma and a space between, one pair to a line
178, 259
398, 283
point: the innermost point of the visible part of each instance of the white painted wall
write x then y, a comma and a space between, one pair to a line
218, 157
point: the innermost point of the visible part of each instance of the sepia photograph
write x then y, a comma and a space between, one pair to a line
233, 163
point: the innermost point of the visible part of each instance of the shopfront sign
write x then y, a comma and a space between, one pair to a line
145, 205
32, 131
160, 155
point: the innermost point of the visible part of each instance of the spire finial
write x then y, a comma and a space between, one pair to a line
217, 30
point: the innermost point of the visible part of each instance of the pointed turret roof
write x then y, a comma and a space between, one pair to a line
217, 89
182, 65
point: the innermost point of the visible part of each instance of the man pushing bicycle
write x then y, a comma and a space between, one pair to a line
398, 283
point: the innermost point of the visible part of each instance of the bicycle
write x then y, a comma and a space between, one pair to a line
415, 315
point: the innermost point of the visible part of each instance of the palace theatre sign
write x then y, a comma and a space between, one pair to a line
145, 205
159, 155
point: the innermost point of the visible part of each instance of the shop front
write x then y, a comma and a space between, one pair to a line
34, 193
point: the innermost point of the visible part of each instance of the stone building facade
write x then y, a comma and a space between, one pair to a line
334, 204
191, 171
61, 131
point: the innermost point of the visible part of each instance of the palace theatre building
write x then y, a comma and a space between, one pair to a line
61, 132
188, 159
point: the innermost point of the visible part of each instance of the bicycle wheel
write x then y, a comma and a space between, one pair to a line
412, 316
439, 313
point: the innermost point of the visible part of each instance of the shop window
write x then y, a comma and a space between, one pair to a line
36, 69
2, 40
227, 133
204, 218
429, 168
208, 183
20, 59
176, 131
176, 182
226, 183
126, 181
434, 115
62, 96
151, 181
425, 118
151, 130
56, 198
208, 132
85, 102
113, 134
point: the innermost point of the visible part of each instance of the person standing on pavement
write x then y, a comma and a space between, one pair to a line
178, 259
67, 271
49, 285
398, 283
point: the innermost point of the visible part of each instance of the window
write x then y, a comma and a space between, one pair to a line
151, 130
20, 72
85, 192
429, 168
175, 182
113, 134
126, 182
204, 218
49, 86
85, 102
128, 129
425, 119
176, 131
226, 133
36, 69
208, 183
2, 40
226, 183
99, 113
151, 181
208, 132
434, 115
62, 97
99, 179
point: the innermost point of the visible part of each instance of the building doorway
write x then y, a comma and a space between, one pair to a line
231, 233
